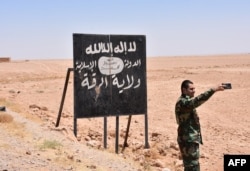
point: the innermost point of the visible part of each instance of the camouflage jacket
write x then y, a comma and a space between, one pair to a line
187, 118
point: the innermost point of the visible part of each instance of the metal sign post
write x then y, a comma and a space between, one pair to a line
63, 96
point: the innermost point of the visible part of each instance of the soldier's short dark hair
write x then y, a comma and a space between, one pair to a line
185, 84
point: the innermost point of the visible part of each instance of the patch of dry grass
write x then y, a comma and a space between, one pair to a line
11, 105
50, 144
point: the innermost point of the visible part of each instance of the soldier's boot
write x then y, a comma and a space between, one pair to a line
192, 168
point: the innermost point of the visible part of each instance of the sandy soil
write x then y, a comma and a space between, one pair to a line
32, 91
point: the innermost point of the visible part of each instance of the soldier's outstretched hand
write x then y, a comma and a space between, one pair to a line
218, 88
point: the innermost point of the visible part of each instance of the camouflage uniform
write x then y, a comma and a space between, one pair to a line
189, 131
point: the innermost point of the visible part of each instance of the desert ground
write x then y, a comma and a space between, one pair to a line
31, 91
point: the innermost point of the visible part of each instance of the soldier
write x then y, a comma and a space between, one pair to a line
189, 133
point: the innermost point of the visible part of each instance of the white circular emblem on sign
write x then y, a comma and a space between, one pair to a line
110, 65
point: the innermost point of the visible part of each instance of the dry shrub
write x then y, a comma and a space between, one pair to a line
5, 118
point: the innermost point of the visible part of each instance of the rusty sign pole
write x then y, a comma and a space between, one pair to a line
63, 95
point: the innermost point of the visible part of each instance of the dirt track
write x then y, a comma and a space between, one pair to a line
23, 147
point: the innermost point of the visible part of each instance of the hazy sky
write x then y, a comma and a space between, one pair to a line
32, 29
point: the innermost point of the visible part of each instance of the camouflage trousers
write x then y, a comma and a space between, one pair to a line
190, 156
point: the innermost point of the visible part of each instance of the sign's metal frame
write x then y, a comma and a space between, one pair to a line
76, 115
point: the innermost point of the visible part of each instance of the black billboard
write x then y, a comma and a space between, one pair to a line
109, 75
